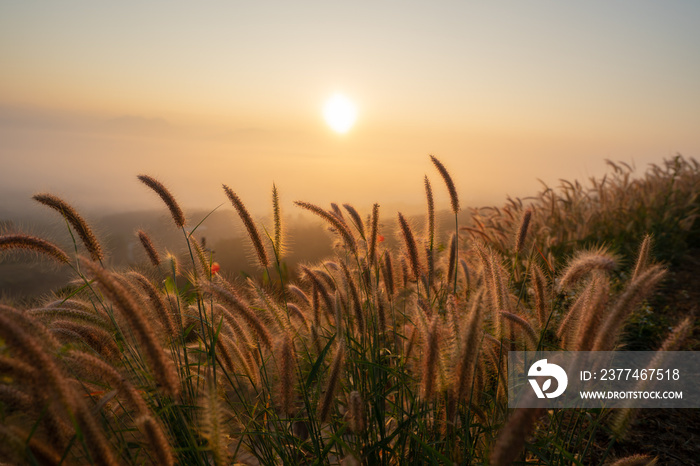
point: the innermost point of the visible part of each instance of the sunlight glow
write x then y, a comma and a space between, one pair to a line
340, 113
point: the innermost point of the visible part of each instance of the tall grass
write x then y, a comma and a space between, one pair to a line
370, 357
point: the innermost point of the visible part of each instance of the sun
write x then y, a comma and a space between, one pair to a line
340, 113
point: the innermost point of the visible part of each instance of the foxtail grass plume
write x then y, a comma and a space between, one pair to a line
335, 210
203, 265
324, 409
104, 371
32, 243
372, 250
411, 249
249, 226
31, 325
634, 293
278, 241
430, 359
294, 311
357, 305
229, 297
172, 264
539, 290
299, 293
679, 334
585, 262
465, 271
642, 256
14, 336
572, 317
430, 233
451, 266
465, 369
430, 262
356, 219
335, 220
496, 286
635, 460
77, 222
167, 197
101, 341
162, 367
212, 423
267, 302
525, 326
522, 231
147, 244
157, 302
388, 275
320, 287
287, 361
592, 313
454, 200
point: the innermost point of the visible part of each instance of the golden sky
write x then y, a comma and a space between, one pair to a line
199, 94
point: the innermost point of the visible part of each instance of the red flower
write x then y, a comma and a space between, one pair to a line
215, 267
380, 238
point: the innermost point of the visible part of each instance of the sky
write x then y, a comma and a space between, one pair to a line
203, 93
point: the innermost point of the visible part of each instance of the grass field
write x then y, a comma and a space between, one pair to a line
389, 351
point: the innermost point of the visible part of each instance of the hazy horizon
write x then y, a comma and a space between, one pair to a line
93, 95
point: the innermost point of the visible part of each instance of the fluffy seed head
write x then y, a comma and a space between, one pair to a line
32, 243
77, 222
167, 197
335, 220
372, 251
149, 248
287, 357
388, 275
430, 359
454, 200
162, 367
431, 213
228, 296
635, 460
278, 241
635, 292
523, 325
411, 249
585, 262
17, 338
158, 303
642, 256
451, 266
522, 231
324, 408
357, 220
249, 225
539, 287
